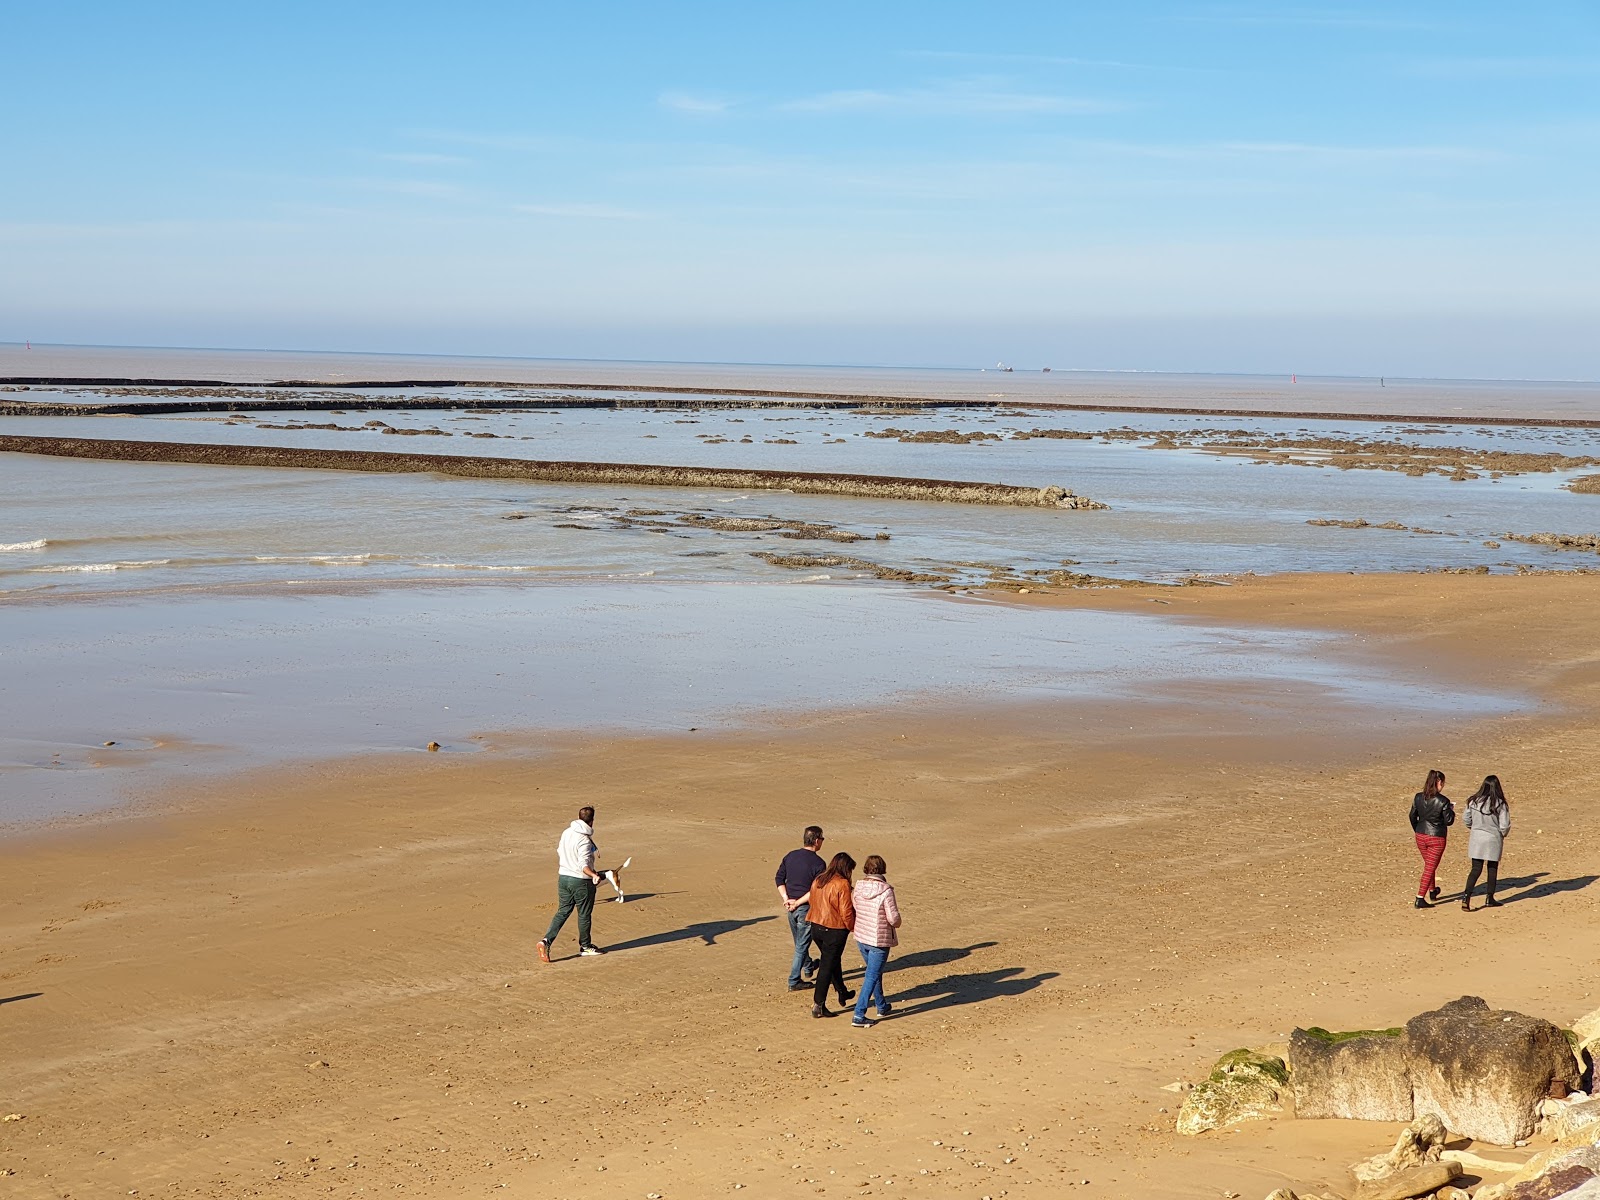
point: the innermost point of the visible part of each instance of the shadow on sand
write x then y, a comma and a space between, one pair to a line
1552, 888
706, 931
970, 988
24, 996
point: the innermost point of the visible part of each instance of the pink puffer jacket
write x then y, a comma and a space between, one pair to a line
877, 914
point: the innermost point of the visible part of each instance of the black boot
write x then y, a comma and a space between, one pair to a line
1491, 902
1421, 903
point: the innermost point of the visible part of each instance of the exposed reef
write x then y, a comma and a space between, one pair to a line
650, 475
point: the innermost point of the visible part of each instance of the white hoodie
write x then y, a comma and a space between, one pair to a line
575, 850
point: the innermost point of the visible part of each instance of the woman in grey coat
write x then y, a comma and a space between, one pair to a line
1489, 818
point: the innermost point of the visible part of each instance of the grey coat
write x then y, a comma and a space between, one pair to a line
1488, 832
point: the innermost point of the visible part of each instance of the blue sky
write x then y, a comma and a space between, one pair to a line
1398, 189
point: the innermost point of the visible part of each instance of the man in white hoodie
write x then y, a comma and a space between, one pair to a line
576, 880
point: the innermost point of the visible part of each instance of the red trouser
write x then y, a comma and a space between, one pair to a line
1432, 850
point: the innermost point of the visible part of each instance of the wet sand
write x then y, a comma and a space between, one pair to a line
321, 981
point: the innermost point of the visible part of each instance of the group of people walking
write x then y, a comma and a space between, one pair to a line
1487, 816
824, 906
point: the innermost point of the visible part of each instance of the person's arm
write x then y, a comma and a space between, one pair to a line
782, 879
1414, 814
589, 852
1449, 811
847, 910
1466, 817
891, 910
1505, 821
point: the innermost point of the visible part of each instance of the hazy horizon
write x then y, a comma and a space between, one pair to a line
349, 353
1215, 188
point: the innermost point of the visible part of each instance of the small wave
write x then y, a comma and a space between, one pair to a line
36, 544
489, 567
111, 566
324, 560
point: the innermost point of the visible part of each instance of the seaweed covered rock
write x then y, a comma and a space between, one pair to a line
1364, 1075
1484, 1071
1242, 1085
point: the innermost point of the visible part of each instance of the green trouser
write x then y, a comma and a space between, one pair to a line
574, 894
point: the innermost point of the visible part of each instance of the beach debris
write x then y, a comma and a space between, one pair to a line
12, 1117
108, 743
433, 746
1413, 1181
1420, 1142
1244, 1084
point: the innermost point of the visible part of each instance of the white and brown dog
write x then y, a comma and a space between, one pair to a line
613, 876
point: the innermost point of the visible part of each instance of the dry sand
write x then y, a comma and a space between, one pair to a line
322, 982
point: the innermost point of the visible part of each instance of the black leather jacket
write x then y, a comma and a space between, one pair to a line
1432, 816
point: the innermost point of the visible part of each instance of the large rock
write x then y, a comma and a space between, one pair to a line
1242, 1085
1414, 1181
1362, 1076
1573, 1119
1484, 1071
1574, 1182
1587, 1028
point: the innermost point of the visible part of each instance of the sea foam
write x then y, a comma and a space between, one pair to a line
36, 544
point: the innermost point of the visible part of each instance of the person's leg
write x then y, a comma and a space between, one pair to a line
1432, 850
830, 948
872, 981
845, 994
880, 999
584, 901
1472, 882
1494, 878
564, 904
800, 930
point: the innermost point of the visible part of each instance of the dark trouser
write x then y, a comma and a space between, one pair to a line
1477, 868
830, 968
574, 894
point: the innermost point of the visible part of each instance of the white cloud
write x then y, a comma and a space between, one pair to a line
592, 212
1500, 68
700, 106
429, 188
1325, 18
424, 160
953, 100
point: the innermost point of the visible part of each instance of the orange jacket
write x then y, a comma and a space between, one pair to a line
831, 905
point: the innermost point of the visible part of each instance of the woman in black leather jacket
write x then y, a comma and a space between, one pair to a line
1432, 814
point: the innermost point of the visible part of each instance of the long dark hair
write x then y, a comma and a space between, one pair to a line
1434, 785
839, 868
1489, 797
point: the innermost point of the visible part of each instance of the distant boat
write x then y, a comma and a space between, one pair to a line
1000, 366
1047, 370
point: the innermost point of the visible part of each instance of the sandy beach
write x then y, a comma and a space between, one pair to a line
320, 980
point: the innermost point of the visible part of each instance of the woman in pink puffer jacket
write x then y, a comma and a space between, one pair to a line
877, 918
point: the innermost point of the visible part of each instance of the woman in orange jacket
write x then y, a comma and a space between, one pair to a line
832, 917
